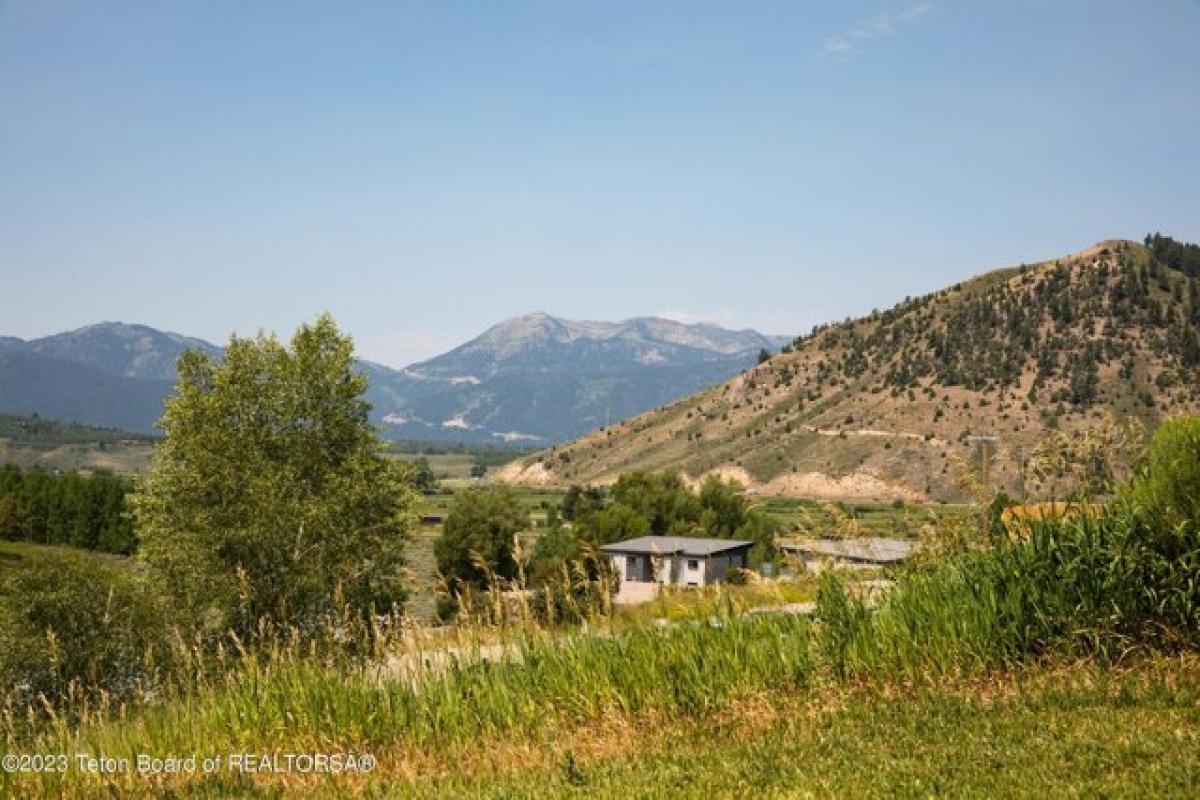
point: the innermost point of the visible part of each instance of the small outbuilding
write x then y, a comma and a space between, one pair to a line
644, 564
867, 551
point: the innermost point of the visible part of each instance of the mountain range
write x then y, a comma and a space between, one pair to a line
892, 405
532, 379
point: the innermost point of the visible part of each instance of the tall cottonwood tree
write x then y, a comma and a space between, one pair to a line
268, 496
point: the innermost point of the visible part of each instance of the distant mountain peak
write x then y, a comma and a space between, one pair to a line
542, 377
120, 348
518, 334
535, 377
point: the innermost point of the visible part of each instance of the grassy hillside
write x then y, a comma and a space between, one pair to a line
885, 406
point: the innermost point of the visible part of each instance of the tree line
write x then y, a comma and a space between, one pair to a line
73, 509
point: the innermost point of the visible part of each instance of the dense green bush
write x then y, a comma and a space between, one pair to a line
77, 618
1167, 489
477, 542
478, 536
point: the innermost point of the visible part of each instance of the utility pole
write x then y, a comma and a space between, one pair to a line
987, 447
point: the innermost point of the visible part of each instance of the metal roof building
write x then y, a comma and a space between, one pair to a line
867, 551
675, 545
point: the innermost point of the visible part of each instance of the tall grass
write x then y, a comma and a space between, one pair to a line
1098, 584
283, 697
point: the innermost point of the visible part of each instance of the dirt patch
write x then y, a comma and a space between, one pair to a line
818, 485
876, 434
726, 473
524, 474
855, 486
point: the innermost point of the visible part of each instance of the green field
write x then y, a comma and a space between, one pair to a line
815, 518
15, 555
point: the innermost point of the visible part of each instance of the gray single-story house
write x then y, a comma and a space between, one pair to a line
645, 563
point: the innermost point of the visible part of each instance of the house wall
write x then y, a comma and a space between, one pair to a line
630, 592
674, 569
667, 569
718, 565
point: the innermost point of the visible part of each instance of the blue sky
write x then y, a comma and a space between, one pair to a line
423, 170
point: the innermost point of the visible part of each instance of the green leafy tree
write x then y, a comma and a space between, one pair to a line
580, 501
556, 548
423, 477
86, 511
728, 515
616, 523
14, 522
479, 532
268, 496
666, 502
724, 507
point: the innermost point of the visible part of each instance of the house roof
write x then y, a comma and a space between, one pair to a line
681, 545
873, 550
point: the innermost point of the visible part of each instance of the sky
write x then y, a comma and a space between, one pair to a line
424, 170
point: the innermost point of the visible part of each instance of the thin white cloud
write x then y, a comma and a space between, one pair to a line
845, 44
768, 321
724, 318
